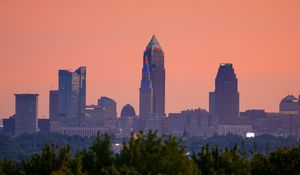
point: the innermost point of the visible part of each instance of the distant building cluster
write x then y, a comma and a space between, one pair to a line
70, 115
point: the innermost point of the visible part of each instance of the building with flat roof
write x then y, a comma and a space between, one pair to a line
53, 105
26, 113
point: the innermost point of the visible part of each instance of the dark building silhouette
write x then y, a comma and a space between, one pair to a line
26, 113
146, 92
224, 101
212, 107
9, 125
289, 105
195, 122
53, 105
127, 111
44, 125
155, 57
72, 96
109, 106
128, 120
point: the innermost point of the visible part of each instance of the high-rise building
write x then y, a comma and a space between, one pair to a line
26, 113
109, 106
53, 105
224, 101
146, 92
72, 96
155, 57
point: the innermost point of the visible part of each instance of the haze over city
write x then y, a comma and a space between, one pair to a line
260, 38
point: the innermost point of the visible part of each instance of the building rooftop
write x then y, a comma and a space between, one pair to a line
290, 98
153, 43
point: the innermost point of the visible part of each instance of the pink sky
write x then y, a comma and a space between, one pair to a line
260, 37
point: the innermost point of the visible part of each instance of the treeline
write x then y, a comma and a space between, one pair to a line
152, 155
24, 146
260, 144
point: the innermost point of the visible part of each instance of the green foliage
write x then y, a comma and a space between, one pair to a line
217, 161
8, 167
150, 154
99, 158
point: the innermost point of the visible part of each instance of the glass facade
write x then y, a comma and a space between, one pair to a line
72, 96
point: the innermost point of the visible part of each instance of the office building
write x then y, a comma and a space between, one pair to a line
72, 96
224, 101
154, 55
109, 106
26, 113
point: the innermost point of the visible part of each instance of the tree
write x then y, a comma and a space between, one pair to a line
99, 157
150, 154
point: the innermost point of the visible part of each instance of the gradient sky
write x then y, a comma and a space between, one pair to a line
260, 37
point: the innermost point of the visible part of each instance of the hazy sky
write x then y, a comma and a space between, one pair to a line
260, 37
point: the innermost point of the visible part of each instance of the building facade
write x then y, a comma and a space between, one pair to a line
225, 99
289, 105
53, 105
154, 55
26, 115
146, 92
195, 122
109, 106
72, 96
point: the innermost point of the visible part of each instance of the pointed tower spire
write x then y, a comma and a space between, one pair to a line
153, 43
154, 61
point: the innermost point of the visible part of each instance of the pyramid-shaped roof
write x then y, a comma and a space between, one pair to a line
153, 43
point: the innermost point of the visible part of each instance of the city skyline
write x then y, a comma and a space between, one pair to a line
262, 43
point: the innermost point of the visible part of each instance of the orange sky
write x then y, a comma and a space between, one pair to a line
260, 37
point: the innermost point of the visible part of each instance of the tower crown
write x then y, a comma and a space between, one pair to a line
226, 65
153, 43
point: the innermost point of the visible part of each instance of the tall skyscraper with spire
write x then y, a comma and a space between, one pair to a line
224, 101
146, 92
154, 56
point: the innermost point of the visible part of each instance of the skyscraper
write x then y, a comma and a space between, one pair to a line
53, 105
225, 98
146, 92
109, 106
155, 57
72, 96
26, 113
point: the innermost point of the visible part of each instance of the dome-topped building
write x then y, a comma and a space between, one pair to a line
128, 111
289, 104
